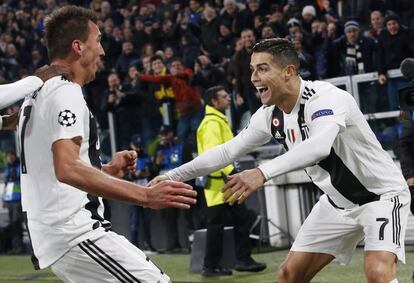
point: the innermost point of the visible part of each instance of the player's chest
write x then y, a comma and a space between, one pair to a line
289, 130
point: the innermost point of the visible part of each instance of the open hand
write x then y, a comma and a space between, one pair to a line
239, 186
158, 179
49, 71
170, 194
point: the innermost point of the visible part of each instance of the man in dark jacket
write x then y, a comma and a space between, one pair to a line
394, 45
356, 52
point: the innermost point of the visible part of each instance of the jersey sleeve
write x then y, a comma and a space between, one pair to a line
68, 112
332, 107
253, 136
11, 93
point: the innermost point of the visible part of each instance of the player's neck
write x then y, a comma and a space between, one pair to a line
291, 96
74, 67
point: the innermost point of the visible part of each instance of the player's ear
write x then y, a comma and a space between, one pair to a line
290, 71
77, 47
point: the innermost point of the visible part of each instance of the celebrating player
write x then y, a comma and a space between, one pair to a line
326, 134
62, 176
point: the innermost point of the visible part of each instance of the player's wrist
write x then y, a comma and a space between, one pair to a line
262, 175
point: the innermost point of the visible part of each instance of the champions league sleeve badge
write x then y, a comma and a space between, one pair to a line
66, 118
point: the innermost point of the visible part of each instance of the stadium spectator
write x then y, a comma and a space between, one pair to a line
247, 16
267, 32
226, 43
12, 200
377, 24
308, 16
306, 62
127, 58
207, 74
213, 131
140, 217
352, 53
244, 88
169, 155
394, 45
187, 98
124, 106
209, 35
231, 14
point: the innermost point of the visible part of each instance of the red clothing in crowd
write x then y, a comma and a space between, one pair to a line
187, 97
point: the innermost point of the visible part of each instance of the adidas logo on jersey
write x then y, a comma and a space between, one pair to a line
278, 135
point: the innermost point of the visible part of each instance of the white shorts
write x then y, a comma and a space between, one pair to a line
337, 231
108, 258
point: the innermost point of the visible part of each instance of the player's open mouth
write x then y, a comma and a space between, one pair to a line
263, 90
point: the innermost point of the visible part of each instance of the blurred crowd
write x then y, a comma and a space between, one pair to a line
162, 54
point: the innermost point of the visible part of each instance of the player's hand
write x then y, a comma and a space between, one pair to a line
46, 72
10, 121
170, 194
239, 186
382, 79
158, 179
122, 163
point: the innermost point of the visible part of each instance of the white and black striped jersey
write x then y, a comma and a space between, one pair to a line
59, 216
356, 171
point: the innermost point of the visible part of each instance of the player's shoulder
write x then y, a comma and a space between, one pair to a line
315, 89
262, 116
59, 85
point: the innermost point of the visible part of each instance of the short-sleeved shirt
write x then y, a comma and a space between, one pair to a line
59, 216
357, 169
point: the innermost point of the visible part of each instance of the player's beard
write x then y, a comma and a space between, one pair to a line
90, 66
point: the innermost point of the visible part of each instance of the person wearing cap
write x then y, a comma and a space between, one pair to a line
356, 52
394, 45
308, 16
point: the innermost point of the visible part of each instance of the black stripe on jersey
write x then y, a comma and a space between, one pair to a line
396, 221
94, 157
278, 132
93, 246
26, 114
93, 206
345, 181
304, 130
33, 258
93, 149
396, 225
393, 219
104, 263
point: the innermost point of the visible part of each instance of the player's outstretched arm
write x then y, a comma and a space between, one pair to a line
11, 93
71, 170
307, 153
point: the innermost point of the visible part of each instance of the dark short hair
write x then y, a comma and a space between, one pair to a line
211, 94
63, 26
155, 58
281, 49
